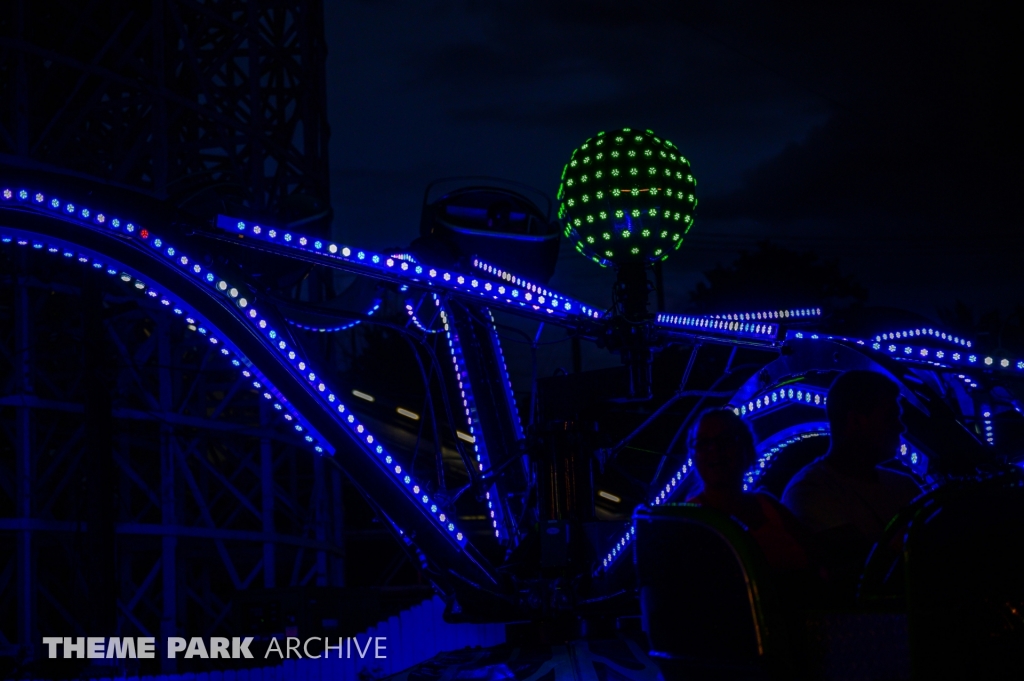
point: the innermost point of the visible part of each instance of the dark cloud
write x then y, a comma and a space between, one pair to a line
928, 128
883, 134
914, 180
541, 66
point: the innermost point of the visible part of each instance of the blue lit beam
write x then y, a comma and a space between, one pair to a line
411, 308
986, 422
662, 495
763, 326
486, 412
923, 333
766, 331
506, 292
221, 309
500, 275
782, 396
338, 327
491, 409
769, 448
779, 316
516, 298
949, 358
796, 393
515, 468
767, 451
809, 352
491, 444
935, 357
505, 378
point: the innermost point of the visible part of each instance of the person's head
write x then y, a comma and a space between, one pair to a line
864, 412
722, 448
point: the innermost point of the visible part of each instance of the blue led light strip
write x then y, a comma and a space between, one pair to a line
542, 294
506, 379
240, 305
662, 496
773, 315
970, 382
936, 357
400, 270
761, 330
822, 336
986, 415
914, 460
472, 420
796, 393
790, 394
948, 357
411, 310
193, 320
332, 329
922, 332
617, 550
810, 396
767, 450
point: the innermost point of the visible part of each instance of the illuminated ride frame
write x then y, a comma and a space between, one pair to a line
168, 264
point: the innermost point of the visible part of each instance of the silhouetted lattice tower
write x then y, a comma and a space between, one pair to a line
202, 103
212, 107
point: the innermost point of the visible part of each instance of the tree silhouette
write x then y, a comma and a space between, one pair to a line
776, 277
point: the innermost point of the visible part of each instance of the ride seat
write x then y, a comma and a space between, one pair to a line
964, 562
708, 606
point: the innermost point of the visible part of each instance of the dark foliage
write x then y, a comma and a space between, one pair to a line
773, 277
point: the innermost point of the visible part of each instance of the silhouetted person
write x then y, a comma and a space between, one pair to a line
722, 448
843, 497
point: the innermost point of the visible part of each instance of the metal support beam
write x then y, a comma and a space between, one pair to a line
100, 472
25, 570
267, 494
168, 505
337, 526
320, 518
175, 98
197, 450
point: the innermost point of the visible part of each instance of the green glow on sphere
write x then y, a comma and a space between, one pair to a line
626, 196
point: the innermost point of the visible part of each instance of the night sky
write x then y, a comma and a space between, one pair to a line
883, 136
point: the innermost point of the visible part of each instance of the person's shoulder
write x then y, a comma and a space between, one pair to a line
812, 473
769, 501
810, 497
783, 515
766, 499
899, 482
895, 477
808, 484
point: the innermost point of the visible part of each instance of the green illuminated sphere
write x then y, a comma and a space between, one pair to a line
626, 197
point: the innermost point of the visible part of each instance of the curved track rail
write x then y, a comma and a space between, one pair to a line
171, 267
168, 268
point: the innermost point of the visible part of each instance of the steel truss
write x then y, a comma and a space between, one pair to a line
199, 495
171, 97
250, 328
